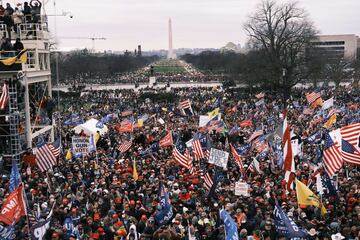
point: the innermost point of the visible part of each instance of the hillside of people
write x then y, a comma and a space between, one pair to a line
148, 147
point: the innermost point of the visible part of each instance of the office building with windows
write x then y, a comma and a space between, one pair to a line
345, 46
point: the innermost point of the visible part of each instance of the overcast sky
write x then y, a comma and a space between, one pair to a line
196, 23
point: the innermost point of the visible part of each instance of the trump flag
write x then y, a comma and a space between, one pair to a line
13, 207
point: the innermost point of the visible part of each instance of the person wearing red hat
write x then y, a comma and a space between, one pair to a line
141, 224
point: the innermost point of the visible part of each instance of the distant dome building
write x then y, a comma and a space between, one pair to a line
231, 47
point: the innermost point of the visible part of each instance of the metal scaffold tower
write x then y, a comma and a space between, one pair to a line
27, 114
14, 123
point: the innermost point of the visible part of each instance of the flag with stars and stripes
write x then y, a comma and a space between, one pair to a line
332, 159
46, 154
185, 107
312, 97
197, 148
350, 143
182, 155
125, 146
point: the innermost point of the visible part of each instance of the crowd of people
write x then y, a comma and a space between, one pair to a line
141, 77
96, 196
12, 17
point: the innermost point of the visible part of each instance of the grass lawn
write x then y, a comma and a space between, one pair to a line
169, 66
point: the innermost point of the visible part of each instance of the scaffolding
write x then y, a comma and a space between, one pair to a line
30, 88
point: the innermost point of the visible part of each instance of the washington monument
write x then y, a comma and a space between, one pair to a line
171, 54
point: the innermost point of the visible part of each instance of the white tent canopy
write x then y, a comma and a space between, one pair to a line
90, 128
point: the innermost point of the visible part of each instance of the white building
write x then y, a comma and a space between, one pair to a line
345, 46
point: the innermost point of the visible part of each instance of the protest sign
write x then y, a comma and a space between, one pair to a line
218, 157
80, 145
241, 189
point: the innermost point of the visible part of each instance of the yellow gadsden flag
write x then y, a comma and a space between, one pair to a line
135, 174
330, 121
20, 58
306, 197
68, 155
213, 113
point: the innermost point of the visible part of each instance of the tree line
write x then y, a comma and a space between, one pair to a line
81, 63
280, 52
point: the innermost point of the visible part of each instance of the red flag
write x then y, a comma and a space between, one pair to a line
289, 165
246, 123
13, 207
125, 127
167, 140
237, 159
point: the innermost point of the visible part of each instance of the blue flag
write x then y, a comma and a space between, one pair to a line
68, 226
15, 177
100, 125
164, 215
314, 138
217, 103
234, 130
241, 150
285, 226
92, 143
327, 184
7, 233
74, 119
230, 225
217, 178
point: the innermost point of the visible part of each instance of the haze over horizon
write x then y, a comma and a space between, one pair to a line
196, 24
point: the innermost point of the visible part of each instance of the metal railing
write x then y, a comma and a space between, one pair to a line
28, 29
32, 31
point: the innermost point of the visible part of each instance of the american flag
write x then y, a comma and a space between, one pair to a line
208, 182
311, 97
255, 166
255, 135
260, 145
125, 146
4, 98
350, 144
197, 148
185, 106
331, 156
182, 155
167, 140
237, 158
46, 155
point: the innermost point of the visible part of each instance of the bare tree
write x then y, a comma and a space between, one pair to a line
337, 70
283, 31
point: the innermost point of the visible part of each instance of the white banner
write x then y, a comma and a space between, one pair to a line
80, 145
189, 143
328, 103
218, 157
241, 189
203, 120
